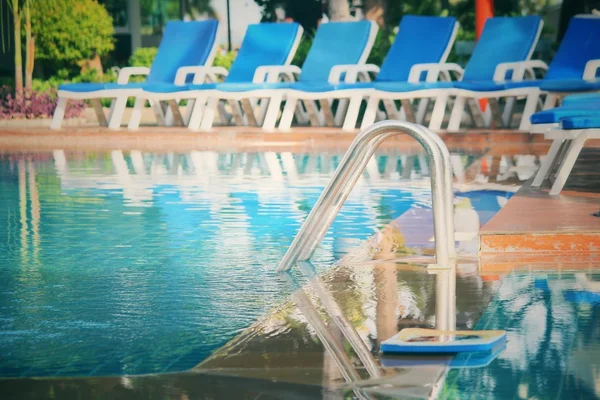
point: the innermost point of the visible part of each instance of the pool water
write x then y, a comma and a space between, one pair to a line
553, 340
138, 263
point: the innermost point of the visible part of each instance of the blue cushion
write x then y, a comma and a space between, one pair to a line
554, 115
248, 86
491, 86
172, 88
570, 85
580, 98
263, 44
95, 87
581, 122
402, 87
504, 39
335, 43
420, 40
579, 45
182, 44
318, 87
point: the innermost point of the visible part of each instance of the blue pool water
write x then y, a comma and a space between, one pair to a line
136, 263
553, 341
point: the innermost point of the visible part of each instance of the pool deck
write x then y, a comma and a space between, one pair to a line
535, 222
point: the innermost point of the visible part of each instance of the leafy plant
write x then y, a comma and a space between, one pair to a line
224, 58
143, 57
34, 104
69, 32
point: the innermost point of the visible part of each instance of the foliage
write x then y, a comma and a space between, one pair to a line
34, 104
303, 48
306, 12
68, 32
143, 57
224, 58
383, 42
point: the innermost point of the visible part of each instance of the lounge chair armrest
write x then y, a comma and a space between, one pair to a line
433, 71
127, 72
591, 69
272, 73
201, 74
518, 69
352, 71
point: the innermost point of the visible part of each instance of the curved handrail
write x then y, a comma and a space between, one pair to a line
347, 174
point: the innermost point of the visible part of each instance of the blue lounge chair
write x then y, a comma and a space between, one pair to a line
265, 44
421, 41
577, 120
184, 44
573, 69
336, 45
575, 66
503, 40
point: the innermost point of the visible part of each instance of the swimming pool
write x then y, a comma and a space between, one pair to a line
136, 263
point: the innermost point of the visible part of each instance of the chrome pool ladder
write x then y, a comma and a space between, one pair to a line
347, 174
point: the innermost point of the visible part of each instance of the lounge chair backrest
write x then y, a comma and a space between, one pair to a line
183, 44
420, 40
580, 44
504, 39
264, 44
338, 43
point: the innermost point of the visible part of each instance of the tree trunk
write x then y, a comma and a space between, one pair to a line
375, 11
339, 10
18, 54
29, 49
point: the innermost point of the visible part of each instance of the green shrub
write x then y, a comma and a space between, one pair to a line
224, 58
143, 57
68, 32
302, 51
383, 42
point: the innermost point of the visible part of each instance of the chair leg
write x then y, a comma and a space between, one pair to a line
352, 114
136, 114
370, 113
422, 110
59, 113
508, 111
196, 114
342, 111
159, 112
272, 113
530, 106
547, 163
456, 114
223, 115
439, 110
550, 101
567, 164
117, 115
188, 111
97, 104
176, 114
285, 123
208, 117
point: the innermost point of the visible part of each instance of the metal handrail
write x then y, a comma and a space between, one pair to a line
349, 171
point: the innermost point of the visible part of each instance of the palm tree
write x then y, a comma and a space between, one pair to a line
14, 6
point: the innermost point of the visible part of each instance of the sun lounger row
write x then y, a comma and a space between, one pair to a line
335, 80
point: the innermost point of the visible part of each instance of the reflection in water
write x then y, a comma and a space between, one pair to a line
137, 263
553, 349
